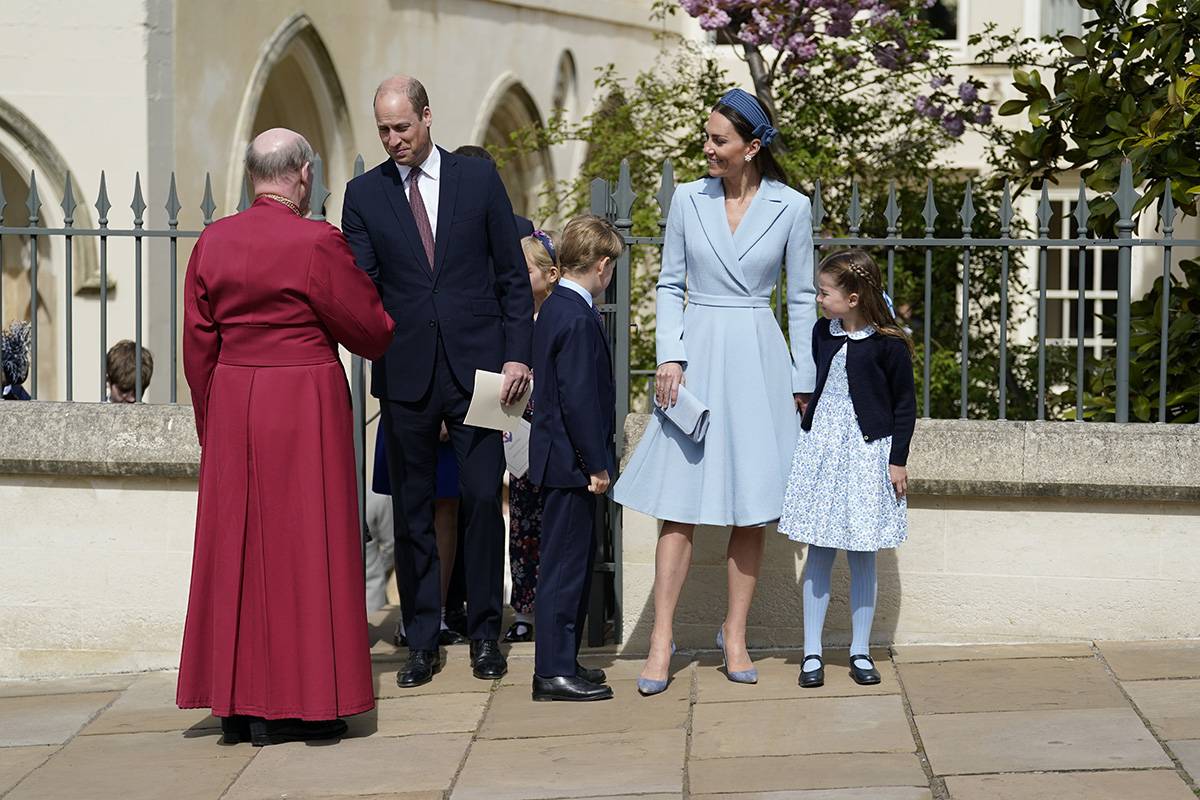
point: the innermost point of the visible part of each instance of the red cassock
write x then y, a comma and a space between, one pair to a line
276, 623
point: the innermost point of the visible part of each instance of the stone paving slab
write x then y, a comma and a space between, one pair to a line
1009, 685
920, 653
1139, 661
1188, 753
17, 762
1142, 785
645, 762
1027, 741
352, 767
408, 716
135, 766
778, 674
39, 688
790, 773
47, 720
874, 793
786, 727
1172, 707
514, 715
149, 705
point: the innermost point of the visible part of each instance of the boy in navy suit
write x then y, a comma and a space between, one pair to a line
571, 453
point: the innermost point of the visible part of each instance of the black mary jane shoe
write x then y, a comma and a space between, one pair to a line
519, 632
264, 732
487, 662
569, 688
235, 729
420, 668
811, 679
864, 677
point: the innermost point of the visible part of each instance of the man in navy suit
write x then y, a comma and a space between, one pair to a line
571, 453
435, 231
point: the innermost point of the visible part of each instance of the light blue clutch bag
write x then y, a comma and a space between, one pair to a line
688, 414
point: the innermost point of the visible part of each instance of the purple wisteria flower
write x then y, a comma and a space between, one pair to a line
967, 92
953, 125
984, 115
939, 81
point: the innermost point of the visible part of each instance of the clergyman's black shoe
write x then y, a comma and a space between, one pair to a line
235, 729
265, 732
569, 688
487, 662
419, 669
868, 676
590, 675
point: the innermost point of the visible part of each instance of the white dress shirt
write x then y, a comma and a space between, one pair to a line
567, 283
431, 185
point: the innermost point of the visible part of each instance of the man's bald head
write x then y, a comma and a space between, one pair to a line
404, 86
277, 155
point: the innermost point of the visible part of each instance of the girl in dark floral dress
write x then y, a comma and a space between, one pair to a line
525, 498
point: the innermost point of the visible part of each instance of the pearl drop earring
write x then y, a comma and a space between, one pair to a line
749, 158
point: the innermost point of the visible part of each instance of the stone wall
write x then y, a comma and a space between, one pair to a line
97, 512
1018, 532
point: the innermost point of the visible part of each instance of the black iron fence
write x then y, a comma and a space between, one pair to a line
616, 200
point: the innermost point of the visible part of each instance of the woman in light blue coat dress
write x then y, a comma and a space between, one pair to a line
728, 236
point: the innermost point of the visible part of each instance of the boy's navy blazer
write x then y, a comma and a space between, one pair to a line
574, 397
476, 294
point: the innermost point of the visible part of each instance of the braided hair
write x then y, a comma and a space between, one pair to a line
856, 273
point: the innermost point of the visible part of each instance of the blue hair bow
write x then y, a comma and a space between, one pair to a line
748, 106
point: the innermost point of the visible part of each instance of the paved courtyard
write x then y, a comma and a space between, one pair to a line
1101, 721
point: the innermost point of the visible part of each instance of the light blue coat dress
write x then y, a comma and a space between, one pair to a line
714, 315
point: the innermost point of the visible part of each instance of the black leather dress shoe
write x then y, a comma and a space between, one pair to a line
235, 729
265, 732
570, 689
447, 637
590, 675
487, 662
864, 677
811, 679
398, 637
419, 669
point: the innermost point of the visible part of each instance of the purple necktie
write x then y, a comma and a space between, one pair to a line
420, 215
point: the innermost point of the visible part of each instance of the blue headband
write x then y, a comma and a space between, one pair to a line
748, 106
547, 243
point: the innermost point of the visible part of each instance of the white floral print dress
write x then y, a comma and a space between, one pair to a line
838, 494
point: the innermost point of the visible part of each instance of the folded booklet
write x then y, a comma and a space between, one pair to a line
688, 414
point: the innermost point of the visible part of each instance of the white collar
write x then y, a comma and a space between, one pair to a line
432, 166
567, 283
835, 328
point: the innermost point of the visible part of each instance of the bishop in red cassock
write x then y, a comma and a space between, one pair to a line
276, 636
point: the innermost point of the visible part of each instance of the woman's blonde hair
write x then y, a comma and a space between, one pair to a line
856, 273
536, 251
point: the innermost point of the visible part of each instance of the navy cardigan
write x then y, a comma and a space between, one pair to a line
880, 372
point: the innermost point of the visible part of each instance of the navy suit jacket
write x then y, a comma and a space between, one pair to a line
476, 293
574, 398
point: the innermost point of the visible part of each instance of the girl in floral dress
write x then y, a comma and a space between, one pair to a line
524, 497
848, 484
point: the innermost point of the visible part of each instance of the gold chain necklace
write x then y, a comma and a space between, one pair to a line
280, 198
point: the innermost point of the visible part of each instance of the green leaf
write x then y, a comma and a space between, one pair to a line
1116, 119
1010, 107
1074, 45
